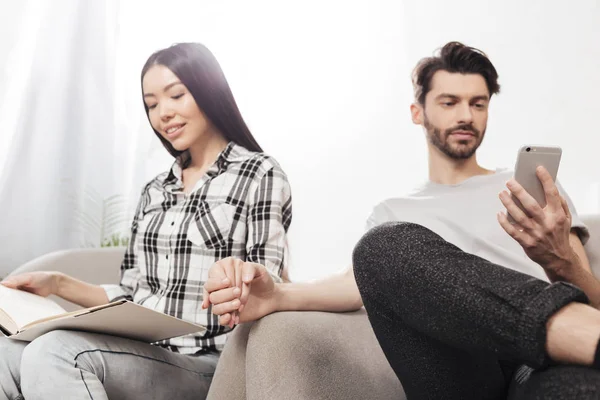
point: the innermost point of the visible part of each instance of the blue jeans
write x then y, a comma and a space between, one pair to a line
80, 365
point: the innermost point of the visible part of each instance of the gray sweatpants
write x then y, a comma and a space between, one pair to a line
455, 326
78, 365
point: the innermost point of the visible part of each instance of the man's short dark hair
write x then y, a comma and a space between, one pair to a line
454, 57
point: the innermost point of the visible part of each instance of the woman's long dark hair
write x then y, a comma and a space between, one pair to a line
198, 69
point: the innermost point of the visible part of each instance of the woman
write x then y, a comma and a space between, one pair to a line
221, 198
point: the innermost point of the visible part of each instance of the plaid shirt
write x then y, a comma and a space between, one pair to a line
241, 207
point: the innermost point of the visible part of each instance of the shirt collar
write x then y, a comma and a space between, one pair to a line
232, 153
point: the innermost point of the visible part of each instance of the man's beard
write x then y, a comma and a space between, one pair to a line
461, 151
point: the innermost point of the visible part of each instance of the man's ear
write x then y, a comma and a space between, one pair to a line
416, 112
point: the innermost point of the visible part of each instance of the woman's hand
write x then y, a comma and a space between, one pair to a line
239, 291
41, 283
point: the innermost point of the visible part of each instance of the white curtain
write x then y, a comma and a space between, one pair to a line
324, 86
58, 120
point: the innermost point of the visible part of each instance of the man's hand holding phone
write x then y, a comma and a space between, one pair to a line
543, 232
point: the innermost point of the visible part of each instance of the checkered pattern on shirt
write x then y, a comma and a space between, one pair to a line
241, 207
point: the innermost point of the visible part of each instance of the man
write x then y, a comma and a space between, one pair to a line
462, 302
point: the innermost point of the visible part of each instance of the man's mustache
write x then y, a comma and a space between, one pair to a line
463, 127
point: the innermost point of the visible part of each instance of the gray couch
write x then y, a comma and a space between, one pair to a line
333, 356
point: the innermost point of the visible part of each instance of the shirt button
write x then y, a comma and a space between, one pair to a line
167, 256
172, 223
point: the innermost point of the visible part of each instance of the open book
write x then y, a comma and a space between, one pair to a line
25, 316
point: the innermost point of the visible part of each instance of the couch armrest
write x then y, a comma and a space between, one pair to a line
318, 355
92, 265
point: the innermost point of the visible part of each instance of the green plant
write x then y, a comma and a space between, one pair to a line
115, 240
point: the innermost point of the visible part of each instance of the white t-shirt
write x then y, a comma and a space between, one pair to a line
465, 215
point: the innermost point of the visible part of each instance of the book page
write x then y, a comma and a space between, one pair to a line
24, 307
7, 325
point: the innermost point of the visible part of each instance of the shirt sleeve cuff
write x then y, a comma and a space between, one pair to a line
582, 231
271, 267
117, 292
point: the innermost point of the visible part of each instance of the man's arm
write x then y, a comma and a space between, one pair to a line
260, 296
546, 235
579, 272
336, 293
580, 251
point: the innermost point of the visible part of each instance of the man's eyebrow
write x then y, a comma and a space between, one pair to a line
448, 95
455, 97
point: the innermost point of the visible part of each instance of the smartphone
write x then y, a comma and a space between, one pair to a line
528, 159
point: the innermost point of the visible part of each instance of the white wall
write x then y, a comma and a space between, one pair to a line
325, 87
